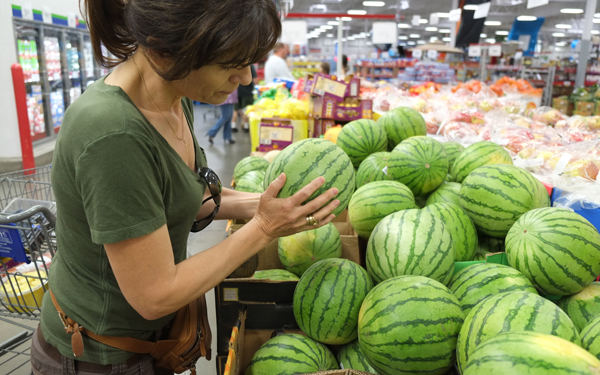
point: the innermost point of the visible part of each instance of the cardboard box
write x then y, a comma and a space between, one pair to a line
327, 107
353, 89
584, 108
275, 134
565, 106
268, 304
324, 84
320, 126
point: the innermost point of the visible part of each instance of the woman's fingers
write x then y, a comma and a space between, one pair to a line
302, 195
326, 211
275, 186
319, 201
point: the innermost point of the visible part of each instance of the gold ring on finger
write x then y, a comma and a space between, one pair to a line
311, 220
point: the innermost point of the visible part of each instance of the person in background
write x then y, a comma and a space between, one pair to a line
345, 67
225, 120
245, 98
325, 68
276, 67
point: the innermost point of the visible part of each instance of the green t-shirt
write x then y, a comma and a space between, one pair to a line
114, 178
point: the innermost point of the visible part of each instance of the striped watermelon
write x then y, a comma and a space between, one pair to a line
419, 163
373, 168
308, 159
328, 298
495, 196
460, 226
291, 354
477, 155
249, 164
351, 357
402, 123
251, 182
452, 149
530, 353
409, 325
410, 242
360, 139
557, 249
583, 306
447, 193
275, 275
477, 282
374, 201
590, 337
301, 250
512, 312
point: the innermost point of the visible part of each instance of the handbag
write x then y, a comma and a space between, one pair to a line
188, 338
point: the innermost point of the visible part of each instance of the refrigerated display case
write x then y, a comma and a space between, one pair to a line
54, 50
74, 68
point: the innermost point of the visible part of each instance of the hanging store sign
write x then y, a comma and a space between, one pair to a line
482, 11
474, 51
294, 32
536, 3
384, 33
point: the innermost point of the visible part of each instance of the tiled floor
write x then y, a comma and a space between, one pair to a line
222, 159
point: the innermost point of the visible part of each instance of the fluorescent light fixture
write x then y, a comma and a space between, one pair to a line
346, 18
595, 32
597, 15
447, 39
445, 31
492, 23
563, 26
470, 7
402, 37
363, 34
373, 3
369, 43
483, 35
443, 15
558, 35
357, 12
411, 43
526, 18
490, 40
403, 26
351, 38
414, 36
501, 32
571, 11
596, 20
556, 49
433, 39
421, 42
344, 39
431, 28
561, 44
333, 23
423, 20
326, 27
329, 35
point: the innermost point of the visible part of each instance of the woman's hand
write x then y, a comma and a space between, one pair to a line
280, 217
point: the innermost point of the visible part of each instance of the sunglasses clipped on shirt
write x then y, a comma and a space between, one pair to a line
214, 186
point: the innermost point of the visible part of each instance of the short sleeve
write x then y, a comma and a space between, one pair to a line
120, 183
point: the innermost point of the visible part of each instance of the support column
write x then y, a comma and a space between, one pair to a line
453, 26
340, 45
585, 44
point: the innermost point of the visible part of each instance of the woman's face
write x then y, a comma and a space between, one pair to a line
213, 84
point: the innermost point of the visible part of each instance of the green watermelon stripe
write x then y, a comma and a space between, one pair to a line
524, 361
449, 214
484, 205
479, 333
580, 262
305, 352
353, 276
325, 309
497, 192
532, 318
428, 240
419, 322
589, 337
410, 341
312, 306
374, 270
512, 288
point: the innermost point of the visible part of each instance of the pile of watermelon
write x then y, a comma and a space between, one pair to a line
423, 206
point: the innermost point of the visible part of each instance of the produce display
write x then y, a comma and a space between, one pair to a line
475, 156
373, 168
461, 228
402, 123
301, 250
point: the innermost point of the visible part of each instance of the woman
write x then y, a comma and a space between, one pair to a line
225, 120
125, 181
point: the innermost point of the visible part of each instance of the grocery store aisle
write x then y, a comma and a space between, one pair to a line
222, 159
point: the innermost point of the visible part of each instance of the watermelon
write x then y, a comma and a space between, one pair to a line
419, 163
308, 159
448, 193
251, 182
512, 312
328, 298
291, 354
374, 201
495, 196
529, 353
351, 357
373, 168
410, 242
409, 325
557, 249
270, 156
301, 250
590, 337
275, 275
402, 123
583, 306
460, 226
249, 164
360, 139
477, 155
477, 282
452, 149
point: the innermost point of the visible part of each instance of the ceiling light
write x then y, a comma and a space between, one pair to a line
561, 44
402, 37
369, 43
443, 15
329, 35
447, 39
423, 20
483, 35
492, 23
470, 7
433, 39
374, 3
501, 32
526, 18
490, 40
595, 32
357, 12
326, 27
344, 39
563, 26
403, 26
558, 35
346, 18
421, 42
596, 20
411, 43
571, 11
351, 38
431, 28
333, 23
414, 36
445, 31
597, 15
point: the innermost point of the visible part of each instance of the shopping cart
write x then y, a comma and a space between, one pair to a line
27, 246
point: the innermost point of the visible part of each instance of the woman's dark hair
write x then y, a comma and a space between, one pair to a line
344, 61
325, 68
189, 34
